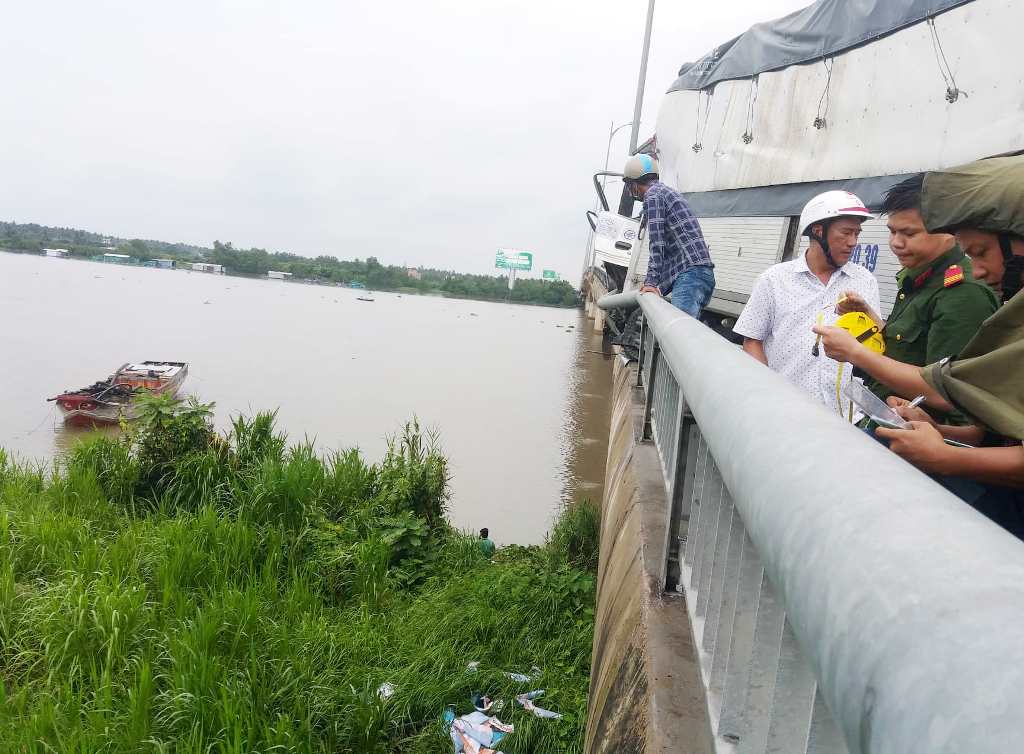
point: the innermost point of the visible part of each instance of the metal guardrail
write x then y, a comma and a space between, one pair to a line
627, 301
840, 600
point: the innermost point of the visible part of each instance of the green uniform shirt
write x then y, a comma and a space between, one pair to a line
986, 381
487, 547
932, 319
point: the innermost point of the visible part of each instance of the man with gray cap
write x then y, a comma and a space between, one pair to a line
679, 265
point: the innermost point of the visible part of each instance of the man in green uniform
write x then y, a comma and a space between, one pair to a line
939, 306
983, 203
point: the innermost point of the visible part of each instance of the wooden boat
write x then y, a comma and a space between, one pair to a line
110, 400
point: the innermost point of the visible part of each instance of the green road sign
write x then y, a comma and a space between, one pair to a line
511, 259
550, 275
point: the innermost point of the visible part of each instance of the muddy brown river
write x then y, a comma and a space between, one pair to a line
518, 394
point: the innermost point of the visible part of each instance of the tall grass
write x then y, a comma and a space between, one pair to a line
575, 537
252, 597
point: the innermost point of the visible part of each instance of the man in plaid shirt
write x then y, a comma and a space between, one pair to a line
679, 264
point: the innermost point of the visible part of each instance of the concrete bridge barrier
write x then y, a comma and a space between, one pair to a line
792, 584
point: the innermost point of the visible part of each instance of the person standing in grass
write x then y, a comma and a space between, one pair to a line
486, 545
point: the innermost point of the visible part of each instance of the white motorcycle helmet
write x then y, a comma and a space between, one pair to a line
829, 206
639, 166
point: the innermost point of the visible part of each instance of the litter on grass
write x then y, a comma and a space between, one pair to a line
526, 702
476, 733
533, 675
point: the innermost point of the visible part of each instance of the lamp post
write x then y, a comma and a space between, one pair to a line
612, 130
608, 152
638, 105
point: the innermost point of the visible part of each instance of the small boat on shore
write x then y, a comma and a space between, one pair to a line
107, 401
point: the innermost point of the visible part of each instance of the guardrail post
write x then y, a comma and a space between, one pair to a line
681, 492
696, 505
649, 380
640, 353
733, 724
722, 647
825, 737
795, 688
764, 668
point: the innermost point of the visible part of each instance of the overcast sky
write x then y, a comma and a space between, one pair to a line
428, 133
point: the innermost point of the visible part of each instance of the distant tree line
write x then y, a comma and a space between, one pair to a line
29, 237
323, 269
371, 273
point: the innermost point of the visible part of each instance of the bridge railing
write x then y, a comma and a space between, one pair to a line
841, 601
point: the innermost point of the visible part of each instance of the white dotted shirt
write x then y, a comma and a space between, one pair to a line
783, 307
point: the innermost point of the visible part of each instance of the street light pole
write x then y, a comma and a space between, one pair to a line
612, 130
608, 152
638, 105
626, 203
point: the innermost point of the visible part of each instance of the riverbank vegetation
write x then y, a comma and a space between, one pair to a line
323, 269
178, 590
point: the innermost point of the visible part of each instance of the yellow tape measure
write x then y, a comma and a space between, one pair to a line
864, 329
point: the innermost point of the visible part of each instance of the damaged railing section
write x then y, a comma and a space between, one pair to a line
840, 600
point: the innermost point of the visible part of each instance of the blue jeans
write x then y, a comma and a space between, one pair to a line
692, 289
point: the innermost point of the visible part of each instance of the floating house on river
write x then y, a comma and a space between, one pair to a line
216, 269
112, 258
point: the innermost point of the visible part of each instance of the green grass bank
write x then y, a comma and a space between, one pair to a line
180, 591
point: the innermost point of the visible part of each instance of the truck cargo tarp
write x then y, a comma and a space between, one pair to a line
785, 199
826, 28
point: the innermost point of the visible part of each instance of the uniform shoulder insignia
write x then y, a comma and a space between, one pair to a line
954, 275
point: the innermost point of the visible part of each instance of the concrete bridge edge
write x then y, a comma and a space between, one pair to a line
646, 691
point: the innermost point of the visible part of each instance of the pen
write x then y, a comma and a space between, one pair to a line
817, 340
916, 402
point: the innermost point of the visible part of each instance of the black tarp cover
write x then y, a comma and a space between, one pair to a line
828, 27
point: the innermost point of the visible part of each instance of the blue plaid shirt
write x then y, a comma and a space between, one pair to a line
676, 241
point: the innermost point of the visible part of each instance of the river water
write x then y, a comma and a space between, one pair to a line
518, 394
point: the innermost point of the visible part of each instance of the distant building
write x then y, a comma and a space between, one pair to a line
275, 275
414, 273
216, 269
58, 253
117, 258
165, 264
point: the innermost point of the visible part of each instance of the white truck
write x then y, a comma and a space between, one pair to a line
839, 95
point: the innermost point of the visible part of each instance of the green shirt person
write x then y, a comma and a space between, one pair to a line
940, 305
486, 545
938, 309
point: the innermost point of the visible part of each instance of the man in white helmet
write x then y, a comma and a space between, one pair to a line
792, 296
679, 264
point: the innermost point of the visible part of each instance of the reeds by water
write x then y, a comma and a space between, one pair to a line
242, 595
